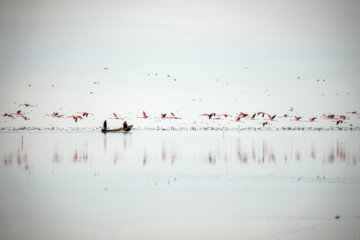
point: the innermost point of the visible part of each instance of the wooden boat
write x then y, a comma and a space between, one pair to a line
121, 130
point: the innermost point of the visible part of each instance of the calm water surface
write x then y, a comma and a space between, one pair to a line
180, 185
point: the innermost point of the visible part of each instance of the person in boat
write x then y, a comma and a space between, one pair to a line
105, 125
125, 125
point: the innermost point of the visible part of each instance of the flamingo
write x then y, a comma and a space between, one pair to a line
19, 113
261, 113
271, 118
85, 114
285, 116
253, 117
174, 117
24, 117
339, 121
312, 119
8, 115
208, 115
342, 117
243, 114
27, 105
144, 115
330, 116
116, 116
353, 112
75, 117
225, 115
297, 118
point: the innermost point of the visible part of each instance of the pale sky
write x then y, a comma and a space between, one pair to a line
258, 48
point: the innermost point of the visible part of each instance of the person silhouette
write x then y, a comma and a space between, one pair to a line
125, 125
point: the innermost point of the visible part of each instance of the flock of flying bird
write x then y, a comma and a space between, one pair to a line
266, 118
263, 118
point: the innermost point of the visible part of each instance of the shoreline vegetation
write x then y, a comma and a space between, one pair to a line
254, 129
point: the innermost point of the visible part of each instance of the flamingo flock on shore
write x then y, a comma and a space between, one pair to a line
263, 118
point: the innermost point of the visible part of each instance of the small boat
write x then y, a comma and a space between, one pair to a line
121, 130
124, 129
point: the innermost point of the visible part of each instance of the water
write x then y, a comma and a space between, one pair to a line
180, 185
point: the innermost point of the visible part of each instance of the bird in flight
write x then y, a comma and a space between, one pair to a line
174, 117
208, 115
116, 116
312, 119
271, 118
8, 115
85, 114
144, 115
27, 105
339, 121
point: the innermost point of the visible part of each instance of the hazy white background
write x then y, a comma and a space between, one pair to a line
258, 48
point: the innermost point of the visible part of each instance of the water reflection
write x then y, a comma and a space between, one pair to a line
219, 151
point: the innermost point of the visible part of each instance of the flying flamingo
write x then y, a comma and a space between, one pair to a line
75, 117
27, 105
116, 116
225, 115
85, 114
261, 113
55, 115
312, 119
353, 112
208, 115
330, 116
285, 116
253, 117
342, 117
19, 113
8, 115
271, 118
144, 115
297, 118
243, 114
339, 121
24, 117
174, 117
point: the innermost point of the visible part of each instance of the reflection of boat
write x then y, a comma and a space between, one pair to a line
121, 130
